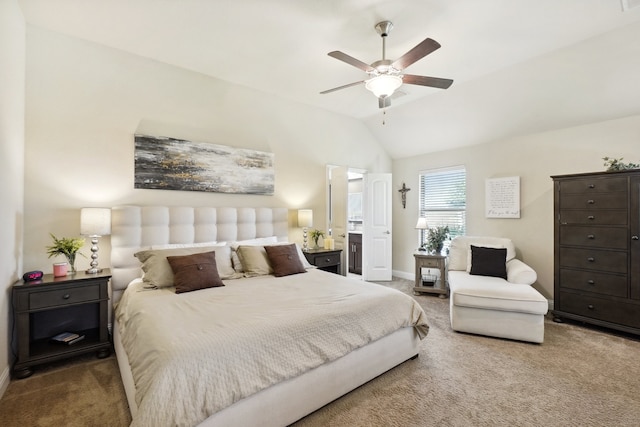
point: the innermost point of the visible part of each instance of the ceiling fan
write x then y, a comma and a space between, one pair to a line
385, 76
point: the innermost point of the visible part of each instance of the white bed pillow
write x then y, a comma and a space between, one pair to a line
187, 245
158, 272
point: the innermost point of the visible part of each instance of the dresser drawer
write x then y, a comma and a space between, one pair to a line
594, 217
594, 237
618, 312
594, 185
594, 201
591, 281
594, 259
64, 296
326, 260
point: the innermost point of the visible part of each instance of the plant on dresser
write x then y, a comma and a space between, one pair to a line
597, 249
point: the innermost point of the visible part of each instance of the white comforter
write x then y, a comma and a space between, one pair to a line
196, 353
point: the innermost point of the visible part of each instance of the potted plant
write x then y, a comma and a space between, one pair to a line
436, 237
68, 247
315, 235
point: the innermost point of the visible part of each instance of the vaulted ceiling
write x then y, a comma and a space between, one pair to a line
518, 66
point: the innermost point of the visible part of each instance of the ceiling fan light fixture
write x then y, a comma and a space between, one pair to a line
383, 85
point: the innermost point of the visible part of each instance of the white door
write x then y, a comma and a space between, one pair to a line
376, 236
337, 210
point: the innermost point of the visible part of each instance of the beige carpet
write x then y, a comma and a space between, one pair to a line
578, 377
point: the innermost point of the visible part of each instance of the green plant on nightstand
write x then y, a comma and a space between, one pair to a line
436, 237
68, 247
315, 235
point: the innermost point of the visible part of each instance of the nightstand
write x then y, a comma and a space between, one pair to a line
325, 259
435, 284
76, 303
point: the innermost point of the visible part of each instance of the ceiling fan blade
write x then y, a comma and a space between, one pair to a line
350, 60
384, 102
341, 87
424, 48
426, 81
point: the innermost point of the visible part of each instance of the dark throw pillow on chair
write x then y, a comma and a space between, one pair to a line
193, 272
488, 261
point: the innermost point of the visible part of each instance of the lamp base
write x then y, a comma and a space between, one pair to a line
93, 271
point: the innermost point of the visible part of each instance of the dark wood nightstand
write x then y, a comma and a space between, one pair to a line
325, 259
76, 303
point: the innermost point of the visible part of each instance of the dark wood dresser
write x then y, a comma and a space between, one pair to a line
597, 249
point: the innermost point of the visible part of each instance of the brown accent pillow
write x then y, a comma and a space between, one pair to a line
284, 260
193, 272
488, 261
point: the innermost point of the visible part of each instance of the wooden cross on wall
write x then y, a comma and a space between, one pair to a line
404, 190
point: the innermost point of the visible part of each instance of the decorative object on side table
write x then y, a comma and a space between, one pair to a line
95, 223
315, 235
68, 247
305, 220
422, 225
436, 237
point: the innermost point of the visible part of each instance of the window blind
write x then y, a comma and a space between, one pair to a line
443, 199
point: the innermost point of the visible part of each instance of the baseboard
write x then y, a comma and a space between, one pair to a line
403, 275
5, 378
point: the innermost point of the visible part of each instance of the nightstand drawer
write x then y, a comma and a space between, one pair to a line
65, 296
430, 263
326, 260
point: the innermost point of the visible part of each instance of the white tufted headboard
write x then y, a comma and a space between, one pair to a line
137, 227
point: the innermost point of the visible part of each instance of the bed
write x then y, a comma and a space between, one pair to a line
265, 341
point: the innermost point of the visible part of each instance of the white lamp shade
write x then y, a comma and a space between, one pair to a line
422, 224
383, 85
305, 217
95, 221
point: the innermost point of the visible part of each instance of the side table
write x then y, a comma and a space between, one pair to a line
325, 259
438, 262
76, 303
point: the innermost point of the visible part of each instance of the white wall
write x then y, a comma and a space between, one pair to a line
85, 102
12, 82
534, 158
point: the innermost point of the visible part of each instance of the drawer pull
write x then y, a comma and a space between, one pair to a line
591, 282
590, 307
66, 296
591, 259
634, 237
591, 236
328, 260
591, 202
591, 217
592, 186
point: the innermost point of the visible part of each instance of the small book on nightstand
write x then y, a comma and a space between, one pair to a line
67, 338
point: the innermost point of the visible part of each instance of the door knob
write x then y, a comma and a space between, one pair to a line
634, 237
387, 232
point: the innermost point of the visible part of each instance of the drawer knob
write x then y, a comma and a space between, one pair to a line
66, 296
590, 307
591, 259
591, 217
591, 236
592, 186
328, 260
591, 202
591, 282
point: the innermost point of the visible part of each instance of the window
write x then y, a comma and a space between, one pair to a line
443, 200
